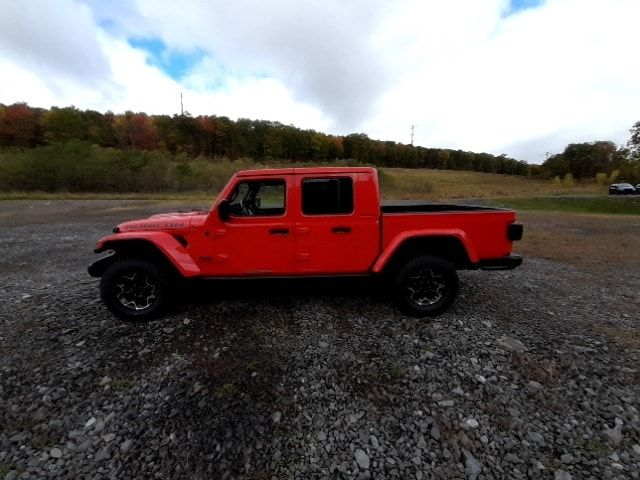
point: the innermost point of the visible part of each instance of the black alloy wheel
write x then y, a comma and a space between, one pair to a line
134, 289
426, 286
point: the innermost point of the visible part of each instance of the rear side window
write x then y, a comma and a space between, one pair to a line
327, 196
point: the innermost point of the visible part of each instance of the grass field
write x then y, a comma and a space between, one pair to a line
396, 183
151, 196
588, 241
627, 205
400, 183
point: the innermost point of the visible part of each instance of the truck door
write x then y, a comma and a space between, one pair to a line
256, 239
335, 232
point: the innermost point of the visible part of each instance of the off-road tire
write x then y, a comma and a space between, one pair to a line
437, 290
146, 301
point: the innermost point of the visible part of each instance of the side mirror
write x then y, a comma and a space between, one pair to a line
224, 210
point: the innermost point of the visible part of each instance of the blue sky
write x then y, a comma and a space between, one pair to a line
177, 63
517, 5
172, 62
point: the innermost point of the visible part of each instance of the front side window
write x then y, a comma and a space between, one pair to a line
327, 196
262, 198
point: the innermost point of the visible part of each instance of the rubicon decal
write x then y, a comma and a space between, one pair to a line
151, 226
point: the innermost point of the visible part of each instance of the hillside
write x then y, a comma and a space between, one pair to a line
210, 136
403, 183
202, 180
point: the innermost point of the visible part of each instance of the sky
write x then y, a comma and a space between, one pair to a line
519, 77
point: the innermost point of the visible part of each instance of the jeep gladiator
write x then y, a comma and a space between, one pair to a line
305, 222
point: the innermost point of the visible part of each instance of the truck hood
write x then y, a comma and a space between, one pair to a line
164, 221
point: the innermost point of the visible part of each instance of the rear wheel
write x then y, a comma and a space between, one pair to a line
134, 290
425, 286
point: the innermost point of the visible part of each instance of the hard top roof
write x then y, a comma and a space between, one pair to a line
303, 171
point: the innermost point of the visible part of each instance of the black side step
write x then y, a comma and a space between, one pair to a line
504, 263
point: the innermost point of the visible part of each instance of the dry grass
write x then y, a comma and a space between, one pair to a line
155, 196
626, 337
581, 240
401, 183
230, 373
542, 371
501, 421
396, 183
589, 204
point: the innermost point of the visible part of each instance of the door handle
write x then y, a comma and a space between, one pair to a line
279, 231
341, 229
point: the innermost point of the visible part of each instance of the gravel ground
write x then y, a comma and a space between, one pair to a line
533, 374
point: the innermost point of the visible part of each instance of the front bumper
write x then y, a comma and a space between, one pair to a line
505, 263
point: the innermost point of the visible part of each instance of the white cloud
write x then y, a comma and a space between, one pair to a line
137, 86
520, 85
321, 50
465, 74
57, 38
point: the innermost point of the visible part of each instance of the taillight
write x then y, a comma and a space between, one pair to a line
514, 231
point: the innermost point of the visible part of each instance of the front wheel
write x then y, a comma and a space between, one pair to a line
425, 286
134, 290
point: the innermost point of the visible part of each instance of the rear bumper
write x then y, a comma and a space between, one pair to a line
504, 263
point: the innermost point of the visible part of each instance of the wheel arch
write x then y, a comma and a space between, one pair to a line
161, 249
453, 246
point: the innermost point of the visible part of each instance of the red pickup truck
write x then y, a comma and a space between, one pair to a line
305, 222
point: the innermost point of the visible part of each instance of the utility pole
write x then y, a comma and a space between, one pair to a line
412, 130
546, 154
181, 106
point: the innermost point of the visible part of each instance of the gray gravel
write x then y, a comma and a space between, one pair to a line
521, 379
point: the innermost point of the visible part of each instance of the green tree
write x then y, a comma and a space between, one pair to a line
584, 160
273, 144
634, 141
99, 128
63, 124
211, 136
321, 147
357, 147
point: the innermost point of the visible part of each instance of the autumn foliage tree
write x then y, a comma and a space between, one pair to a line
136, 131
18, 125
214, 136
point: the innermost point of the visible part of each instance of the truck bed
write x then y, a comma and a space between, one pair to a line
430, 207
485, 228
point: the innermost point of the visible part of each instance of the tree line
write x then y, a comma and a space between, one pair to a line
23, 126
603, 160
185, 138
